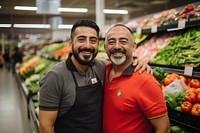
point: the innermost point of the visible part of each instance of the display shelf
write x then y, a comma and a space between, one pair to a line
189, 121
178, 69
185, 119
21, 85
30, 107
189, 128
33, 117
171, 26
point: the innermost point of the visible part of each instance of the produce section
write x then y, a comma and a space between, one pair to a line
183, 49
182, 95
167, 52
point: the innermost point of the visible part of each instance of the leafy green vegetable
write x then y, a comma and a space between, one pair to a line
183, 49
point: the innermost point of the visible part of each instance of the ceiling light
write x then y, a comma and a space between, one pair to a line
0, 7
67, 26
42, 26
5, 25
111, 11
27, 8
72, 9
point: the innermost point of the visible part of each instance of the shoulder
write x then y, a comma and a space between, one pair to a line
59, 69
56, 73
99, 68
98, 62
144, 79
143, 76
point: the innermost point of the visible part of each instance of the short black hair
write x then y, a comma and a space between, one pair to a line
84, 22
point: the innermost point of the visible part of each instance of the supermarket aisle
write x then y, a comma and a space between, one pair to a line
13, 115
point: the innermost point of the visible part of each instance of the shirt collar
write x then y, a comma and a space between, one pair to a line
127, 72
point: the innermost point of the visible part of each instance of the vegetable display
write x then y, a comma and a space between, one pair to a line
184, 100
183, 49
160, 74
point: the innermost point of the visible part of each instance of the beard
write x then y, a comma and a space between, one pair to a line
116, 56
87, 59
118, 61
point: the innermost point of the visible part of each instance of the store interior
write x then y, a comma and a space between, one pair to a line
167, 34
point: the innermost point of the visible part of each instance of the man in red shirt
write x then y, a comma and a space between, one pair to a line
133, 102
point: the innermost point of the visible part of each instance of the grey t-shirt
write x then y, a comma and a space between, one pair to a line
57, 88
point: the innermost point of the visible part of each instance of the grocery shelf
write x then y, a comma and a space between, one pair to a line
191, 129
31, 114
187, 120
21, 85
178, 69
172, 26
33, 118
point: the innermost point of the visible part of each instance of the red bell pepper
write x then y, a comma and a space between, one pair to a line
197, 91
196, 109
186, 107
198, 98
184, 79
195, 83
169, 79
190, 97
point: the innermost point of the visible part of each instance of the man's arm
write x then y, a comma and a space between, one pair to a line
47, 120
142, 65
161, 124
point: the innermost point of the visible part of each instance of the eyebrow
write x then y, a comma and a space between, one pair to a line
92, 37
119, 38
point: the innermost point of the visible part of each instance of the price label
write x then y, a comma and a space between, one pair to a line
188, 70
181, 23
154, 29
138, 30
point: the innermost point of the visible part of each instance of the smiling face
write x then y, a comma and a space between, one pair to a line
85, 44
119, 45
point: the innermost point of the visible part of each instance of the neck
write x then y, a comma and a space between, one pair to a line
79, 66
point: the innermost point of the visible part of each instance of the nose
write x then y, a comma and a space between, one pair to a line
87, 43
117, 45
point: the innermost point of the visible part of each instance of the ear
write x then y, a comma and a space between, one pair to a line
69, 41
134, 45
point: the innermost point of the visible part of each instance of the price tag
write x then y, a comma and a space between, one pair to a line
181, 23
138, 30
154, 29
188, 70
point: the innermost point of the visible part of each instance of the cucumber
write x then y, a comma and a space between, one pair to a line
176, 129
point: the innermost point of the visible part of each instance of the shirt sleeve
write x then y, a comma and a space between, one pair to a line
151, 99
50, 92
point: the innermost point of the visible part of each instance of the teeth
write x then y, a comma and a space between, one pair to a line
117, 54
85, 52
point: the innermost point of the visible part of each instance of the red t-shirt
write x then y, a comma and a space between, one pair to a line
130, 100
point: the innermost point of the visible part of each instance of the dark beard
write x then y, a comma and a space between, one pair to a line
84, 62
